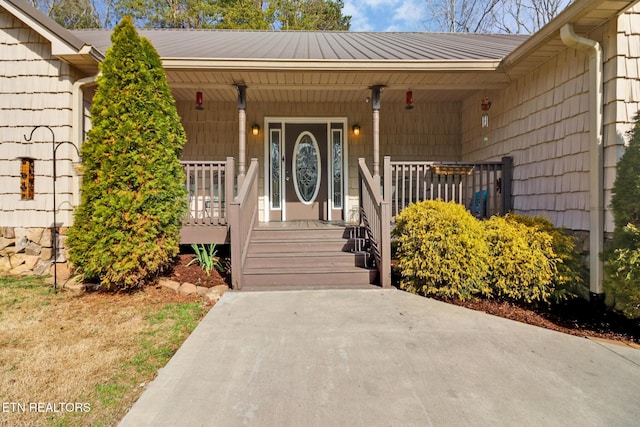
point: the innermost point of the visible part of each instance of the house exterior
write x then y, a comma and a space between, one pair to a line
537, 122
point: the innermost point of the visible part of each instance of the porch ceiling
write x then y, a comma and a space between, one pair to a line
342, 87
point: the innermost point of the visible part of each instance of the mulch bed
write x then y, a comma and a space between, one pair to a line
576, 317
194, 274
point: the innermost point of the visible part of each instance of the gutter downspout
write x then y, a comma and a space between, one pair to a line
596, 164
77, 128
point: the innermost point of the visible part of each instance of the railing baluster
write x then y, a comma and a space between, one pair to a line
206, 184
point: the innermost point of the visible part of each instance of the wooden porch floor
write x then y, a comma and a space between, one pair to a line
304, 225
219, 233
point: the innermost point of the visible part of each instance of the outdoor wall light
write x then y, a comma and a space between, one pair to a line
255, 130
199, 101
356, 130
409, 100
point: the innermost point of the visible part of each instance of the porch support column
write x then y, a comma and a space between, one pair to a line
242, 133
376, 92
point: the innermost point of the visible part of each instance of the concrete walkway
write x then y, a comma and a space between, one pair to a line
384, 358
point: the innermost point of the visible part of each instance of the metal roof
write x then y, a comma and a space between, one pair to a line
319, 45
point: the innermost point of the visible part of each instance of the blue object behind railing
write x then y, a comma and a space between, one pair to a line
478, 205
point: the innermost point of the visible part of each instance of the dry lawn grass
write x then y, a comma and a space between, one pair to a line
94, 349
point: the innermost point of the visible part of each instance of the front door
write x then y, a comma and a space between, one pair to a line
306, 170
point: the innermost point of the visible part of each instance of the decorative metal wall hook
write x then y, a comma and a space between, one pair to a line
55, 147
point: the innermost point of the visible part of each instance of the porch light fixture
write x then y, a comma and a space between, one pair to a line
199, 101
409, 100
356, 130
255, 130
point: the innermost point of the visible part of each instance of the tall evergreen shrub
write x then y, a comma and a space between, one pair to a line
623, 267
126, 228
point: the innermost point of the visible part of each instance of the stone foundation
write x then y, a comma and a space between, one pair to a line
29, 251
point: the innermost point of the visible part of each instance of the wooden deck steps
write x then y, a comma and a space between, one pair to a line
307, 257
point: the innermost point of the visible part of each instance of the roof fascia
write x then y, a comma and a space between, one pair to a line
571, 14
327, 65
63, 42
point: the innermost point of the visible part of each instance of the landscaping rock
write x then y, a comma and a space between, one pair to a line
46, 241
5, 265
21, 243
220, 289
17, 260
46, 254
201, 290
63, 271
169, 284
62, 253
211, 298
31, 261
8, 251
20, 270
34, 234
9, 232
42, 268
73, 285
33, 249
187, 289
4, 242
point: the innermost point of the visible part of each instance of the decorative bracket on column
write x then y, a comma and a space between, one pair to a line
242, 96
376, 93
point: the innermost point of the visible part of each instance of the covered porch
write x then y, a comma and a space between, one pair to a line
313, 122
218, 213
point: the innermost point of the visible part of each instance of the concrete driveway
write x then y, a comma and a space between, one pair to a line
384, 358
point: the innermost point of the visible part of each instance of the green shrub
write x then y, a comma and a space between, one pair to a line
126, 228
441, 250
624, 274
571, 276
522, 263
623, 268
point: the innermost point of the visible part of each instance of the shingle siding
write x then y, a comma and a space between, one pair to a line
540, 120
621, 93
35, 89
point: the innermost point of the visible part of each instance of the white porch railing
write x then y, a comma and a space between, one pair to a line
375, 216
210, 189
243, 218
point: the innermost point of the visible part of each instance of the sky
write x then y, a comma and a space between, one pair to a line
386, 15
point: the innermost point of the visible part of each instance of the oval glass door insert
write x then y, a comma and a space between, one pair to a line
306, 168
